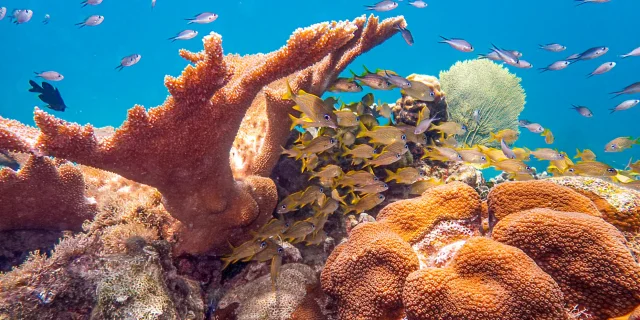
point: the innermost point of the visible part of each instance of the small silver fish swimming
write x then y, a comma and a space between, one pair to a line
591, 53
406, 34
202, 18
90, 2
625, 105
493, 56
46, 19
534, 127
3, 12
634, 53
506, 151
558, 65
553, 47
630, 89
603, 68
523, 123
397, 80
418, 4
458, 44
91, 21
583, 111
383, 6
184, 35
21, 16
508, 56
522, 64
49, 75
128, 61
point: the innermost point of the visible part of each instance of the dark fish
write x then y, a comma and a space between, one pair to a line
583, 111
49, 95
592, 53
406, 34
630, 89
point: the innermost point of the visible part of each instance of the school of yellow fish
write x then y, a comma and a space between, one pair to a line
350, 153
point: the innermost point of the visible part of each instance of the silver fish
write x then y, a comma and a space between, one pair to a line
522, 64
630, 89
49, 75
591, 1
128, 61
20, 16
523, 123
418, 4
373, 80
184, 35
46, 19
603, 68
91, 21
91, 2
573, 56
205, 17
592, 53
458, 44
406, 35
507, 56
493, 56
397, 80
506, 151
424, 125
634, 53
534, 127
583, 111
383, 6
476, 116
3, 12
558, 65
153, 4
625, 105
553, 47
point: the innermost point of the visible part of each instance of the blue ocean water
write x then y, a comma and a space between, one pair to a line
96, 93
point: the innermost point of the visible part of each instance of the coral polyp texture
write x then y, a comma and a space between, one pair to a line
46, 195
542, 260
182, 148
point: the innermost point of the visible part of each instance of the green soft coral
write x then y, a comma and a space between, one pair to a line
485, 86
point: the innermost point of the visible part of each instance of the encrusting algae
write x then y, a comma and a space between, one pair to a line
149, 234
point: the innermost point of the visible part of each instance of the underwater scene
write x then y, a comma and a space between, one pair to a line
311, 160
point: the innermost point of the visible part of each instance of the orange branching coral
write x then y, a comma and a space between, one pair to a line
182, 147
485, 280
367, 273
17, 137
619, 206
413, 218
585, 255
511, 197
265, 128
44, 195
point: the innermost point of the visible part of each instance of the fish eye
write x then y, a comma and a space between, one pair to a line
283, 206
327, 117
421, 173
464, 127
613, 146
459, 157
287, 225
406, 146
332, 140
263, 244
381, 197
403, 137
357, 119
321, 189
398, 155
483, 158
572, 170
376, 179
432, 93
528, 168
611, 170
385, 185
280, 250
313, 226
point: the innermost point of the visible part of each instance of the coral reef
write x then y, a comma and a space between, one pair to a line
45, 194
487, 87
586, 256
485, 280
619, 206
406, 108
581, 264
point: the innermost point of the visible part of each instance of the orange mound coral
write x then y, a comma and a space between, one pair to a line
181, 148
366, 274
485, 280
619, 206
413, 218
586, 256
44, 195
265, 127
511, 197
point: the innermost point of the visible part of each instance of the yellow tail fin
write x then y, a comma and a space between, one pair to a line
390, 175
289, 95
363, 130
294, 122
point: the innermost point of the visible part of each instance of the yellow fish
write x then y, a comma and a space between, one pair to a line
512, 166
620, 144
276, 263
310, 162
450, 128
548, 136
346, 118
593, 169
419, 187
407, 175
562, 164
442, 154
310, 195
357, 178
315, 238
397, 147
509, 136
635, 167
472, 155
522, 154
365, 203
363, 151
328, 171
381, 135
383, 159
547, 154
347, 138
585, 155
273, 228
368, 120
328, 207
384, 110
317, 145
298, 230
313, 107
335, 195
289, 203
375, 187
304, 122
245, 250
411, 136
495, 155
272, 249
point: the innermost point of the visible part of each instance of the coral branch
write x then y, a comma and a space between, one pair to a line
16, 137
43, 196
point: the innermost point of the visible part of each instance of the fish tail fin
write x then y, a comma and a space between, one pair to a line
119, 68
543, 70
629, 163
590, 75
346, 151
35, 87
624, 56
227, 262
390, 175
363, 130
636, 140
578, 154
294, 122
617, 93
366, 71
581, 3
612, 110
289, 94
443, 39
493, 136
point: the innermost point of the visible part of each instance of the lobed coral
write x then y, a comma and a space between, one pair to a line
540, 263
487, 87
